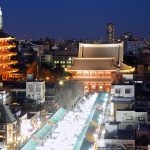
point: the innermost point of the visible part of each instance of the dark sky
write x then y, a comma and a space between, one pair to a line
74, 18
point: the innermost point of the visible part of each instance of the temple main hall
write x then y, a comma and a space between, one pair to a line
99, 65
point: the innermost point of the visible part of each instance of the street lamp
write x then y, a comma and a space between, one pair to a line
61, 82
47, 78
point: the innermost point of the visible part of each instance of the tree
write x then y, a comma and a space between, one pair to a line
68, 93
58, 71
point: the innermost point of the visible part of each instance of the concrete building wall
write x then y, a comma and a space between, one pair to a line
122, 91
121, 106
36, 91
125, 116
119, 142
130, 117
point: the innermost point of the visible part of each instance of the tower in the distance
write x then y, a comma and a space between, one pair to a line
6, 53
1, 19
110, 33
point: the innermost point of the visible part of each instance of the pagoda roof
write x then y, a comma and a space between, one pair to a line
3, 34
8, 61
97, 64
3, 70
7, 53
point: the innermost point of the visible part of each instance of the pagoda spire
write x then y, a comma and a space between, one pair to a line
1, 19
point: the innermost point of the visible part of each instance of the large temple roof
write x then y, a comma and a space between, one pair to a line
93, 64
101, 50
106, 57
97, 64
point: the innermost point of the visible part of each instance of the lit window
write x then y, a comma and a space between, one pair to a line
141, 118
129, 118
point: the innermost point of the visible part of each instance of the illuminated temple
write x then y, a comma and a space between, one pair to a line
6, 44
99, 65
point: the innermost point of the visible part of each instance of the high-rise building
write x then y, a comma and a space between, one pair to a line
6, 44
110, 33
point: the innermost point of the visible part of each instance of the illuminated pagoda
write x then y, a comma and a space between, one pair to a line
6, 44
99, 65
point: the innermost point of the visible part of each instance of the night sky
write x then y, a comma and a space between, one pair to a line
32, 19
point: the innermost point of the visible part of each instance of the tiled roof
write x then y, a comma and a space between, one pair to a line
97, 64
93, 64
101, 50
5, 115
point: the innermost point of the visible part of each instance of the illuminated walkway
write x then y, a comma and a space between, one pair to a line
68, 130
95, 127
44, 131
71, 129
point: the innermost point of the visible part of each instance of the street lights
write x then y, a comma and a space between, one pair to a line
61, 82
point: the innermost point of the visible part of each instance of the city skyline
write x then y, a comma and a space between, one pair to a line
74, 19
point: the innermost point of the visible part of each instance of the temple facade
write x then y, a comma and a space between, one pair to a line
6, 44
99, 65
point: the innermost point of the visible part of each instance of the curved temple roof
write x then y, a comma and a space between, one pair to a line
100, 57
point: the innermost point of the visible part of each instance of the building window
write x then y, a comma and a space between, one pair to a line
141, 118
129, 118
127, 91
2, 127
38, 88
117, 91
69, 62
30, 88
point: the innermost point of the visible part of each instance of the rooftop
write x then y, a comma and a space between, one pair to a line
5, 115
101, 50
122, 99
44, 130
120, 134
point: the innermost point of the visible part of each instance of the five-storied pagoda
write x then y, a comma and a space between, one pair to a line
6, 44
